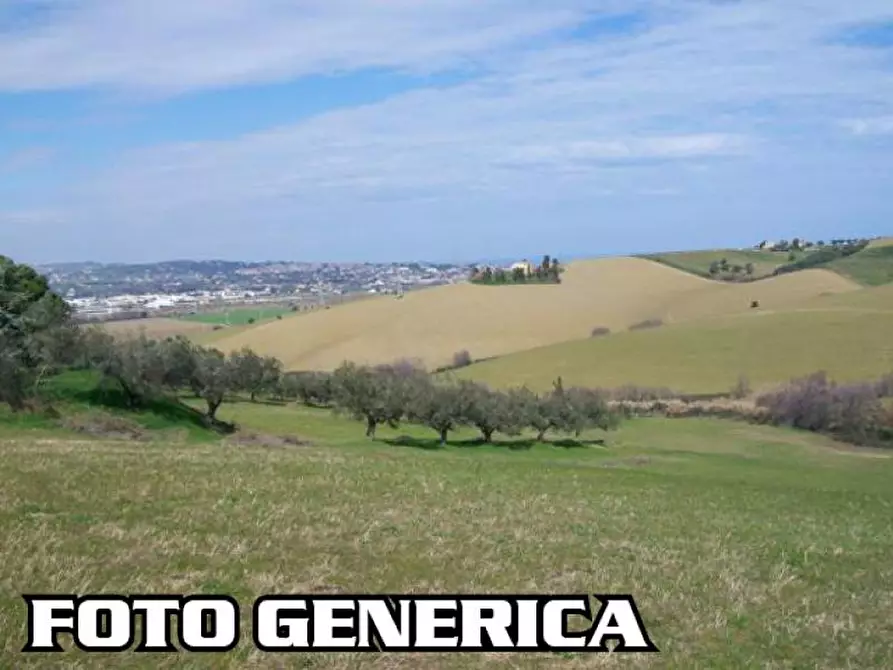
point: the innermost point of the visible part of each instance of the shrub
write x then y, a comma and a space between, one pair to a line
884, 386
754, 304
462, 359
251, 321
633, 393
646, 324
815, 403
601, 331
741, 389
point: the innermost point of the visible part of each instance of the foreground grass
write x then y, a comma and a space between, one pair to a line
744, 546
849, 340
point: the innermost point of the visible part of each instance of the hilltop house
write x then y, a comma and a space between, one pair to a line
524, 265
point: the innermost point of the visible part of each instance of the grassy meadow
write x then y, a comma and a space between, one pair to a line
848, 336
238, 316
698, 262
744, 546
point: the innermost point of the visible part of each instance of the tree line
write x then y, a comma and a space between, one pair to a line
39, 338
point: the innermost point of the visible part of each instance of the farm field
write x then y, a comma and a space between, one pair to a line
848, 335
159, 327
238, 316
433, 324
741, 544
698, 262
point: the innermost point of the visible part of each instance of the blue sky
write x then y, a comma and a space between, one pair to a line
438, 129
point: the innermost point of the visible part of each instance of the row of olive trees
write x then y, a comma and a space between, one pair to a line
145, 369
391, 394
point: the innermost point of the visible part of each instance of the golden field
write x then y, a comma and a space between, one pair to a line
488, 321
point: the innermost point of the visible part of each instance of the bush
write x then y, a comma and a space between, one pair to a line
646, 324
884, 386
601, 331
461, 359
741, 389
633, 393
815, 403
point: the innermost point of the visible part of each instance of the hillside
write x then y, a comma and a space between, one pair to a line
872, 266
848, 335
698, 262
433, 324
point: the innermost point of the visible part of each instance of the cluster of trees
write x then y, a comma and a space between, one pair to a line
722, 269
823, 255
392, 394
548, 271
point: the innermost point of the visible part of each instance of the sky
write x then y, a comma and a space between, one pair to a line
443, 130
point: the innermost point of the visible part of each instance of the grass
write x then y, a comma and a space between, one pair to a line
698, 262
870, 267
80, 395
431, 325
850, 343
239, 316
744, 546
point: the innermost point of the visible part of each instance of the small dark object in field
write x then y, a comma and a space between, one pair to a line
217, 327
601, 331
646, 324
754, 304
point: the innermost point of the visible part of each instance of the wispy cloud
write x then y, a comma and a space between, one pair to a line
882, 125
25, 159
723, 100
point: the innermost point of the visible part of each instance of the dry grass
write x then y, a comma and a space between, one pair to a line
488, 321
745, 546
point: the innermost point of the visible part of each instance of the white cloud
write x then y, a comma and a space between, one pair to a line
719, 99
876, 126
170, 45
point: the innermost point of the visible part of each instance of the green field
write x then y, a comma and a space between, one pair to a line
238, 316
698, 262
871, 267
744, 546
849, 339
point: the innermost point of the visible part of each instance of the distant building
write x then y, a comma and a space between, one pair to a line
524, 265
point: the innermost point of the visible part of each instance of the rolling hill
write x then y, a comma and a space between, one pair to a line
848, 335
488, 321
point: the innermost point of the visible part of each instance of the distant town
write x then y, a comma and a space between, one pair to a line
117, 291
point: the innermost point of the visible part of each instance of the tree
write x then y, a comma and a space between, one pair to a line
375, 395
714, 268
136, 364
215, 376
518, 275
489, 411
546, 264
36, 331
442, 407
555, 270
254, 373
311, 388
749, 269
724, 265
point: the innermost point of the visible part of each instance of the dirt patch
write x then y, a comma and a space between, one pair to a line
106, 425
635, 461
249, 439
